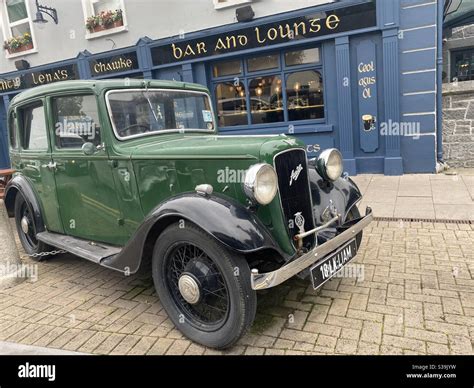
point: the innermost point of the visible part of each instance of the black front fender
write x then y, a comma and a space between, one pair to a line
230, 223
20, 184
343, 193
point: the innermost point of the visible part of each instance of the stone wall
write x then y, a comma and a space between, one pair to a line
458, 124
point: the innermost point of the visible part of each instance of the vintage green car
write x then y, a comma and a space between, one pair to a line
123, 172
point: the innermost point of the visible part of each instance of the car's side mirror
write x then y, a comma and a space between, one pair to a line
88, 148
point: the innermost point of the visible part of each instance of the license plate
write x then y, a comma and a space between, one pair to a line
324, 270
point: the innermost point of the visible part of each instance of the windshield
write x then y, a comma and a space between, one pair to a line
144, 112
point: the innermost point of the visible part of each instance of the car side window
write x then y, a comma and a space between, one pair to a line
76, 121
12, 131
34, 134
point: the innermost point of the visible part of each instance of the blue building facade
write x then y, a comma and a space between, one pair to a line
362, 76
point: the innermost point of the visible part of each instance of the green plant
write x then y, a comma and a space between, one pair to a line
118, 15
17, 42
105, 19
92, 22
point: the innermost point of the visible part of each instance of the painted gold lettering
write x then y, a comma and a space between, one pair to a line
315, 25
332, 22
177, 52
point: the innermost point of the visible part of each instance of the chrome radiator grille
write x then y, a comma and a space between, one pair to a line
291, 168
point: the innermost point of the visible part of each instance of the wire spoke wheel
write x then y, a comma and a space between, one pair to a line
28, 231
197, 286
197, 283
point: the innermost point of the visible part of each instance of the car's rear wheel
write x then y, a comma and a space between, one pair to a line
204, 288
25, 225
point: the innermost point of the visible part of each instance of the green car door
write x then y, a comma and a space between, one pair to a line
35, 161
84, 180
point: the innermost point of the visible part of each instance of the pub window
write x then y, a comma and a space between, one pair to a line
281, 86
104, 16
266, 100
231, 103
222, 69
265, 62
12, 131
19, 38
304, 95
35, 136
463, 65
76, 121
302, 57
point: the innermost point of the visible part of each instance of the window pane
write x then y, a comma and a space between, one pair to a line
16, 10
34, 126
262, 63
302, 57
227, 68
106, 5
266, 100
304, 91
21, 29
463, 63
12, 131
231, 104
77, 121
140, 113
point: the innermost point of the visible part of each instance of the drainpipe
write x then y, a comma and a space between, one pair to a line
439, 84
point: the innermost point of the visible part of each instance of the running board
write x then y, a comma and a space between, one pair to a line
89, 250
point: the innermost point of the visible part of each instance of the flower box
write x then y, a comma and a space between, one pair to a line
25, 47
106, 20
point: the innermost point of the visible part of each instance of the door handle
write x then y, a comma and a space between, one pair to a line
50, 165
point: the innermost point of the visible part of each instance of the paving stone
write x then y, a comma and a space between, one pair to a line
409, 303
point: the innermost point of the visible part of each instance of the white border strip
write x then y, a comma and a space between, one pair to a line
418, 5
418, 71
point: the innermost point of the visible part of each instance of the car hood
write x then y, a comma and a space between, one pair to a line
212, 147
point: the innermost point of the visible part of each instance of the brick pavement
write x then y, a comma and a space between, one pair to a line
417, 297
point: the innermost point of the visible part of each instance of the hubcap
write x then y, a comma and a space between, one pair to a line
189, 288
24, 225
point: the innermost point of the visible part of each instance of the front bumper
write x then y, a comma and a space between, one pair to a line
260, 281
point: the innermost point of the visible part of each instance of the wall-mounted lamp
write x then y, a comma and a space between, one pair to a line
22, 64
244, 14
42, 9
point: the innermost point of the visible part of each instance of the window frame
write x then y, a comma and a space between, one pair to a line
50, 102
229, 3
163, 131
13, 117
283, 72
7, 28
21, 126
453, 53
88, 10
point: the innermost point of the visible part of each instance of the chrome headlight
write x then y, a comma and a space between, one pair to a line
330, 164
260, 183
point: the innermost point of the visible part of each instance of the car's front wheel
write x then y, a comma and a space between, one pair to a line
25, 225
204, 288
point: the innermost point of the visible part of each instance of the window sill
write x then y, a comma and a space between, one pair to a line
218, 6
110, 31
21, 53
